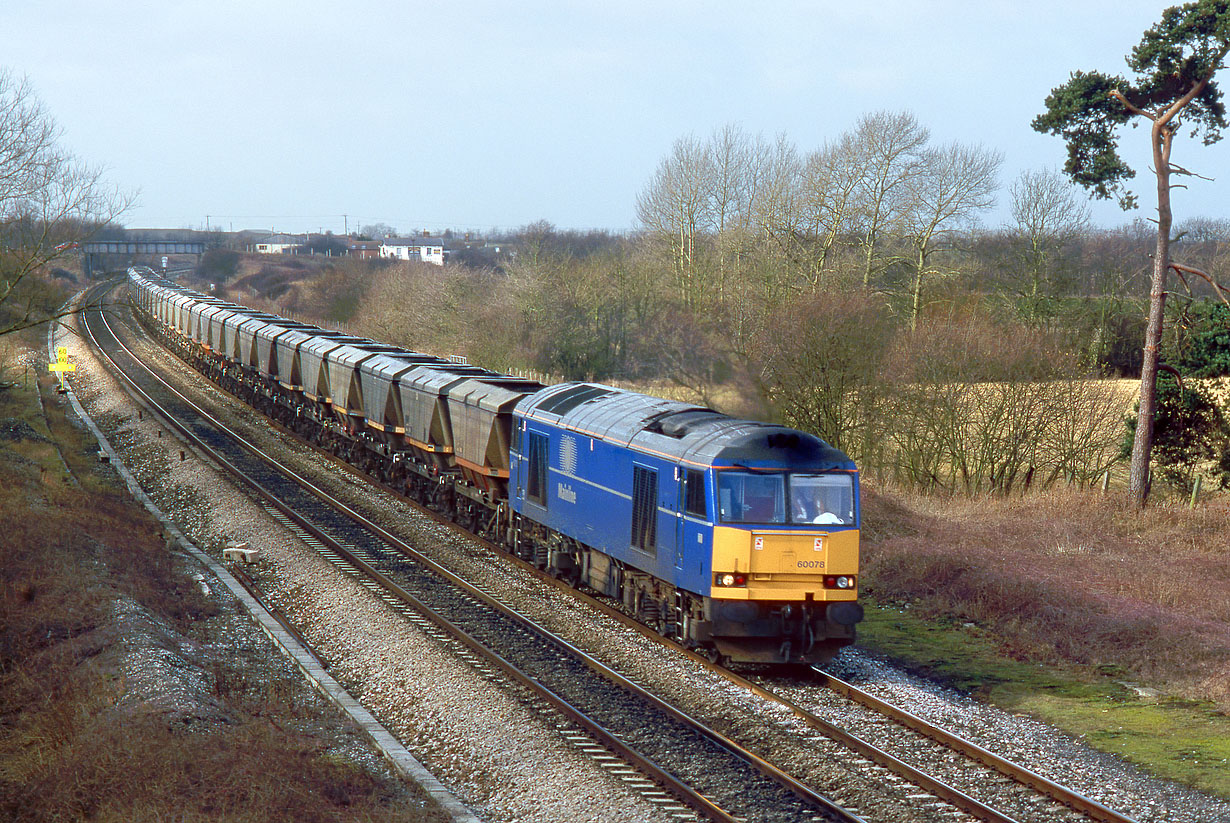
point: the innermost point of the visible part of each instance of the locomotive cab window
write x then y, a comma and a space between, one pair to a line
536, 472
694, 494
822, 498
747, 497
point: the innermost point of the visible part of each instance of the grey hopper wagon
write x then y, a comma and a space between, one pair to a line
218, 320
145, 297
206, 323
380, 377
481, 413
157, 300
425, 412
246, 347
313, 367
345, 379
235, 346
277, 351
198, 318
178, 313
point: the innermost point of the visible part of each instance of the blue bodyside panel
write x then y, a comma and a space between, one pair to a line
599, 439
589, 498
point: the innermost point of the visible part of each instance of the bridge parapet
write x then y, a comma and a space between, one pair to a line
141, 247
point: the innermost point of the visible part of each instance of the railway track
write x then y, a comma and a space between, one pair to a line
706, 771
627, 721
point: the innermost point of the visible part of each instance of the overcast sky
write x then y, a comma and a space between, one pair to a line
290, 114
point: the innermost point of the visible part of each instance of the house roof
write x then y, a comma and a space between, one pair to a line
414, 242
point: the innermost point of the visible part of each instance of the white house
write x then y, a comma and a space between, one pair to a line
425, 249
278, 244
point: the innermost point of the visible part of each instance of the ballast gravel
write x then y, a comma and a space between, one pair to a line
502, 758
505, 760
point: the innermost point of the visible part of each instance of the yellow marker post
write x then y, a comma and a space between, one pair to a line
61, 365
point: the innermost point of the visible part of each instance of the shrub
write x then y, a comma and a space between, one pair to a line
825, 375
1190, 432
1200, 343
218, 265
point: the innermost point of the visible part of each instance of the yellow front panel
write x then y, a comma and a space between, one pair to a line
783, 565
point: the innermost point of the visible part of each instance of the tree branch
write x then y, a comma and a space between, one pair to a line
1177, 169
1219, 289
1118, 95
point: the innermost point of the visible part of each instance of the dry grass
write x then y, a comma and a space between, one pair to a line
1068, 576
75, 745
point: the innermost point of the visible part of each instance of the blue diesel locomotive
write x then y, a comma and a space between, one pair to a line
739, 539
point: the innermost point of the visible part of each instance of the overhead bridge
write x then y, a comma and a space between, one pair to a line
140, 247
93, 250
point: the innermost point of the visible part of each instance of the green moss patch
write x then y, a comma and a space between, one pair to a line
1179, 739
1183, 740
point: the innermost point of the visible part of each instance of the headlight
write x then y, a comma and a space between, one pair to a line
839, 582
727, 579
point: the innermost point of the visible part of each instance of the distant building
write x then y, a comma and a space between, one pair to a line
363, 249
425, 249
278, 244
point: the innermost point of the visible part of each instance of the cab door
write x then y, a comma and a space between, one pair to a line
693, 549
681, 504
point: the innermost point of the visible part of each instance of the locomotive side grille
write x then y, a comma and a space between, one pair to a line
645, 509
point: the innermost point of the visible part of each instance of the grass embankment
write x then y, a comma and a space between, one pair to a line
1071, 607
78, 557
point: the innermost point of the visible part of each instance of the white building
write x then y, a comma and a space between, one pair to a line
278, 244
425, 249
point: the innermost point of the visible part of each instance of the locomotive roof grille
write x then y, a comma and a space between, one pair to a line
566, 401
678, 424
783, 440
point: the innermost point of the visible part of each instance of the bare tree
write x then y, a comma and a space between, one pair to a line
890, 148
768, 251
49, 202
827, 184
1046, 216
737, 168
675, 208
955, 183
827, 376
378, 231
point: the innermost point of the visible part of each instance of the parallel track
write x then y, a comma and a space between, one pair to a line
1013, 771
705, 770
386, 555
